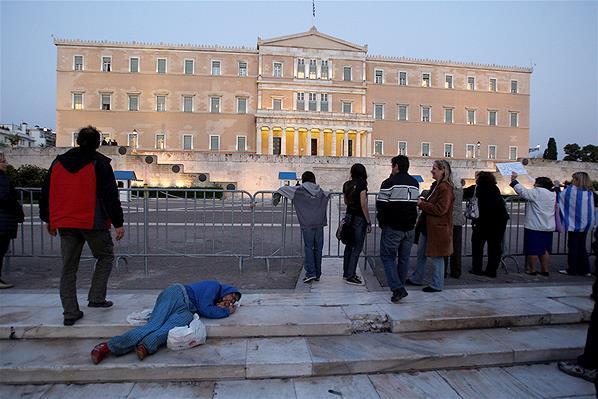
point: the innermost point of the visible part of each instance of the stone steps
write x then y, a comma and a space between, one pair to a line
34, 315
527, 381
67, 360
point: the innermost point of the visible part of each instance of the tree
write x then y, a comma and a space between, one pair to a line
573, 152
589, 153
550, 152
13, 139
26, 176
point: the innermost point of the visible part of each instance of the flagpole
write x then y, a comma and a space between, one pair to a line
313, 20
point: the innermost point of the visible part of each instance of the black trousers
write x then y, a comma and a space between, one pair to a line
479, 237
455, 259
4, 243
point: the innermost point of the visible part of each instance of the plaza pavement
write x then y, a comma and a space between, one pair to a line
297, 343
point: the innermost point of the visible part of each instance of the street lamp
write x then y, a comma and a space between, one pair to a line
479, 152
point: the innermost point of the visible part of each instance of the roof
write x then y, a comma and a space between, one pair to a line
287, 176
312, 39
124, 175
418, 178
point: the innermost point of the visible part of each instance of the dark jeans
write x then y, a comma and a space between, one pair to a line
494, 239
455, 258
395, 250
351, 254
313, 241
71, 245
577, 257
4, 243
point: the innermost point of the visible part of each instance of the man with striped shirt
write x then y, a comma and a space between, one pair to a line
397, 214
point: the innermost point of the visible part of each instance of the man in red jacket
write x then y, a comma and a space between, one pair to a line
80, 200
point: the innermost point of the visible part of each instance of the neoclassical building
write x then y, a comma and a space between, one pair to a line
307, 94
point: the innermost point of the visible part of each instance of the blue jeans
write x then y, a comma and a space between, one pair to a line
437, 261
352, 252
392, 243
172, 309
313, 241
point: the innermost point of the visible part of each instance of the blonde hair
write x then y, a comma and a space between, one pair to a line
582, 180
447, 174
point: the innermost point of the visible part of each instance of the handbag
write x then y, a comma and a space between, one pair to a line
472, 210
345, 232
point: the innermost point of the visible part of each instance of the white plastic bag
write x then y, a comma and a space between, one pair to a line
180, 338
139, 318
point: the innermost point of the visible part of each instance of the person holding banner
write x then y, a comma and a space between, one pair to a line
576, 204
539, 222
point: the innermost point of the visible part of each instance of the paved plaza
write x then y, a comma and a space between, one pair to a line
320, 340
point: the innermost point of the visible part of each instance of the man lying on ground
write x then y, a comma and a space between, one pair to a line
174, 307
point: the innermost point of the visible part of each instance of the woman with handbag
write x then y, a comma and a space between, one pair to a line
11, 214
576, 204
435, 227
355, 194
490, 224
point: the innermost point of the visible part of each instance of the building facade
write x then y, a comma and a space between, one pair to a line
307, 94
22, 135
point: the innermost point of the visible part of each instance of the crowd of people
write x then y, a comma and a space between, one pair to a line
80, 203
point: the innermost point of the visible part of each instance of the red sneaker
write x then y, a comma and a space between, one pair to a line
141, 351
99, 352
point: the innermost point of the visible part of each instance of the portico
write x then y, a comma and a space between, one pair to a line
291, 133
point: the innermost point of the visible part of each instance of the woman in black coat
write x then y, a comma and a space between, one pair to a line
11, 214
490, 226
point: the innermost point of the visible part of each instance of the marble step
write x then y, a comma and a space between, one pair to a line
257, 319
523, 381
60, 361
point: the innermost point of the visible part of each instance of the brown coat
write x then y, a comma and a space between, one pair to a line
438, 209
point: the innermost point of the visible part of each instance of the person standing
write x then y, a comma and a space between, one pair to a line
539, 222
576, 204
310, 203
454, 261
489, 227
396, 207
11, 214
80, 201
435, 225
355, 194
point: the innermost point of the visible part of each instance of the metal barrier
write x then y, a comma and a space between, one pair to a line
232, 223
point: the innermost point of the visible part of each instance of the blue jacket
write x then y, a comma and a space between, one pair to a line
205, 294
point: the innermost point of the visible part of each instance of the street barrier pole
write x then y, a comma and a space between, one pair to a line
145, 229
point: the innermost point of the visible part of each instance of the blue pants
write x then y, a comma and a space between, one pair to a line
313, 241
171, 310
437, 261
392, 243
352, 252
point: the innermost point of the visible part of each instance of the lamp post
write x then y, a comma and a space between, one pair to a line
479, 152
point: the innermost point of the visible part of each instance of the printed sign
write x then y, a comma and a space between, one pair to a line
506, 168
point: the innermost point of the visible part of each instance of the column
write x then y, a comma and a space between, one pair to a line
333, 149
369, 144
283, 142
308, 144
346, 143
321, 143
296, 141
270, 141
258, 141
358, 141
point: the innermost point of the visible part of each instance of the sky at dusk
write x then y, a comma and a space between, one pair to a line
559, 39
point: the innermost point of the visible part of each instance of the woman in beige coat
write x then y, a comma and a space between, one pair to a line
435, 225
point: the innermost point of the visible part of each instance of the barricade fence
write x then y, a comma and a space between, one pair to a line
162, 223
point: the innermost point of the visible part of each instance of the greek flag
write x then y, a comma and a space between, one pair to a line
577, 209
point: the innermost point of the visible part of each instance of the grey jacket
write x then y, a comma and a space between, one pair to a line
310, 202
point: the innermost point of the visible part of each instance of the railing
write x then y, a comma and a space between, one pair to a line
198, 223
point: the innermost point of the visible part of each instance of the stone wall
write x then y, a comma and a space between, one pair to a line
253, 173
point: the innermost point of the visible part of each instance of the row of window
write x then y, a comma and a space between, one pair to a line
471, 115
471, 150
313, 70
186, 141
187, 103
188, 67
449, 81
